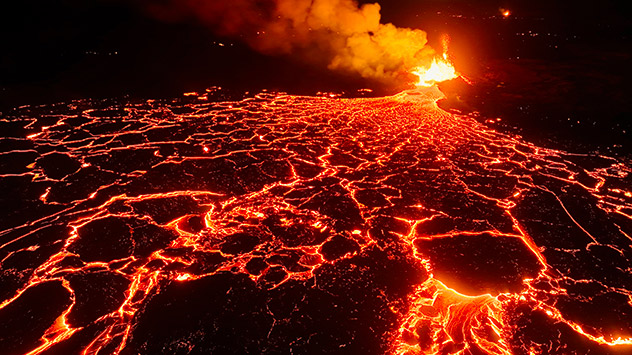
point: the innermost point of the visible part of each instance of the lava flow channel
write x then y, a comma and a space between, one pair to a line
288, 224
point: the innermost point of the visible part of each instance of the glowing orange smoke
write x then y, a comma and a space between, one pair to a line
506, 13
441, 69
344, 35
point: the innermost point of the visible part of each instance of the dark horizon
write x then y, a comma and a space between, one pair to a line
564, 63
49, 43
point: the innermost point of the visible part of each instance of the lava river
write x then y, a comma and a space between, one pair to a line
290, 224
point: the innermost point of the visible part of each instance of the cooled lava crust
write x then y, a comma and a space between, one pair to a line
291, 224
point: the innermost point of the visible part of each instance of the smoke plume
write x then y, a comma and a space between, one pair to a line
340, 33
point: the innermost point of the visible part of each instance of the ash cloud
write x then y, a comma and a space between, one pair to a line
338, 33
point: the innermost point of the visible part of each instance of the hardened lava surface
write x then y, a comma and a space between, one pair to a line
288, 224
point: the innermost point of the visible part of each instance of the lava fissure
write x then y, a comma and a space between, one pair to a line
283, 223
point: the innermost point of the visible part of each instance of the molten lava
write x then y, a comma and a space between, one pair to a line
290, 224
440, 69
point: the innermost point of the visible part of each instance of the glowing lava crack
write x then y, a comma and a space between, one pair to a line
287, 224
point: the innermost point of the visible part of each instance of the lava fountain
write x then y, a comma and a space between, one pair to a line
440, 69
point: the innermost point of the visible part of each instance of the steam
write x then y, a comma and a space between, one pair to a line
339, 33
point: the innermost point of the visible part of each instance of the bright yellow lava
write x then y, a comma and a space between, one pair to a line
440, 70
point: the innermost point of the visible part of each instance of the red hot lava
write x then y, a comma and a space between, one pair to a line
283, 223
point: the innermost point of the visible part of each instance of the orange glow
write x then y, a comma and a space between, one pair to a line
506, 13
371, 161
441, 69
183, 277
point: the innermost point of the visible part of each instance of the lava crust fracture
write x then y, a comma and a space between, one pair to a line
289, 224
